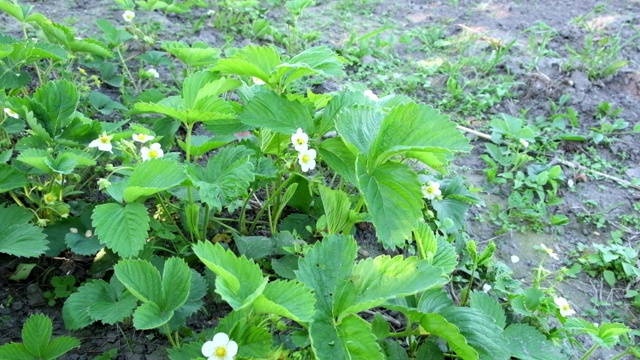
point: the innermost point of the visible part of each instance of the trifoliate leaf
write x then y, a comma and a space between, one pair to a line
325, 267
239, 281
349, 339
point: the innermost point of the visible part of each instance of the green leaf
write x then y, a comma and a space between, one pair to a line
14, 351
199, 54
197, 291
393, 196
114, 36
337, 210
176, 283
339, 158
480, 331
349, 339
393, 350
122, 228
150, 316
36, 158
11, 178
36, 334
229, 170
274, 112
255, 247
104, 103
489, 306
252, 60
17, 236
411, 128
342, 101
318, 60
75, 311
439, 326
59, 346
90, 46
359, 125
105, 304
141, 278
153, 176
434, 300
325, 267
239, 281
82, 245
290, 299
59, 99
376, 280
527, 343
455, 203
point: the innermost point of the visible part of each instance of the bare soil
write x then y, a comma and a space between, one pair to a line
503, 20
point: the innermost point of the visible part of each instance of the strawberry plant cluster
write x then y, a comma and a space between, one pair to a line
203, 172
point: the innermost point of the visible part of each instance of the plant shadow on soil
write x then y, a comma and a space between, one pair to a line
504, 20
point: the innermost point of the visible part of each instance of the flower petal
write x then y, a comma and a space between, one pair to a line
208, 348
220, 339
232, 348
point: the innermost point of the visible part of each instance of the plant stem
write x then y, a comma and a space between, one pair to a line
619, 356
168, 333
166, 211
589, 352
270, 199
243, 213
205, 222
126, 69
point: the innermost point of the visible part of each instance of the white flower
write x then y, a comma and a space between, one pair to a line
128, 15
154, 151
431, 190
142, 138
257, 81
563, 304
211, 12
11, 113
515, 258
486, 288
300, 140
307, 159
153, 72
103, 143
524, 143
549, 251
220, 348
368, 93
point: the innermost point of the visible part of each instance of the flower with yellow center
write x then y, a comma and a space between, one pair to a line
300, 140
307, 159
142, 138
154, 151
49, 198
549, 251
103, 143
11, 113
563, 304
220, 348
128, 16
431, 190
